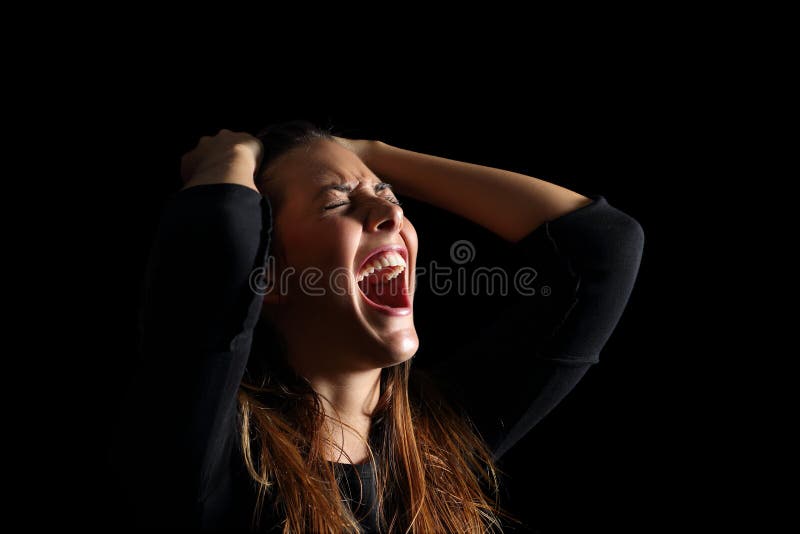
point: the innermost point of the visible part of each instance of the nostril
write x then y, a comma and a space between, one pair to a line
385, 217
388, 224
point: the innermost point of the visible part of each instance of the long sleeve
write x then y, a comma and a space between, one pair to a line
536, 351
196, 325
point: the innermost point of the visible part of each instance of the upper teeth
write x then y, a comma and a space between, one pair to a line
389, 263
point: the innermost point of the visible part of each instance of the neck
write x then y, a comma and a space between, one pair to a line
349, 398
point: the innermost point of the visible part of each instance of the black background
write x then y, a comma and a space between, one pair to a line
605, 458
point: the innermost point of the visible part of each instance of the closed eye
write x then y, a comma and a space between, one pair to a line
346, 188
335, 205
383, 186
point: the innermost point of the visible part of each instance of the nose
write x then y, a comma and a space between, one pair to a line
384, 216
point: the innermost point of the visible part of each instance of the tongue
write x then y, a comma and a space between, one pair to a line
387, 293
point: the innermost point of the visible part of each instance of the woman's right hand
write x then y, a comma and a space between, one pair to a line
227, 157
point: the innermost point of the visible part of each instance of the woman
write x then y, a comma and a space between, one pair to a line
277, 390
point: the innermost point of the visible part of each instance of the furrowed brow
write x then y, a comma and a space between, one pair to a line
344, 188
347, 188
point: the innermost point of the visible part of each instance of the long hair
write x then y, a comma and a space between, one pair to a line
433, 471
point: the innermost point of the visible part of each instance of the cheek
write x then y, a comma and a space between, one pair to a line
323, 244
410, 234
410, 237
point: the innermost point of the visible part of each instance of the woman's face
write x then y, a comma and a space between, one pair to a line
348, 260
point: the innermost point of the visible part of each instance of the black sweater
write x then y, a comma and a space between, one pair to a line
179, 450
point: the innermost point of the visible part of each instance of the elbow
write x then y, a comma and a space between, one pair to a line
634, 234
629, 244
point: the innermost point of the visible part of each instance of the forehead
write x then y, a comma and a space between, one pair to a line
323, 163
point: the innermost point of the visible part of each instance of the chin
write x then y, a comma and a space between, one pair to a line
399, 347
389, 348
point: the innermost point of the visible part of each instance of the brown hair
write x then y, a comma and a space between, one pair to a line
433, 471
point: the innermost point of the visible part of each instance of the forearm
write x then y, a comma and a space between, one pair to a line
196, 324
507, 203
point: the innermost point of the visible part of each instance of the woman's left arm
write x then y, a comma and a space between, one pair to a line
507, 203
524, 361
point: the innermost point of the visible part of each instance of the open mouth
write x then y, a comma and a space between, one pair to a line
383, 281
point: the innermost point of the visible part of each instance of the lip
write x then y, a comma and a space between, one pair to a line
397, 312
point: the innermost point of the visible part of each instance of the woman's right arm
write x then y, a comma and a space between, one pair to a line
196, 323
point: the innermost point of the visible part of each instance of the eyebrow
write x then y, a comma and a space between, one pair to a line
347, 188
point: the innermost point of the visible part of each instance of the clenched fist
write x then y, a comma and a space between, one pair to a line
227, 157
